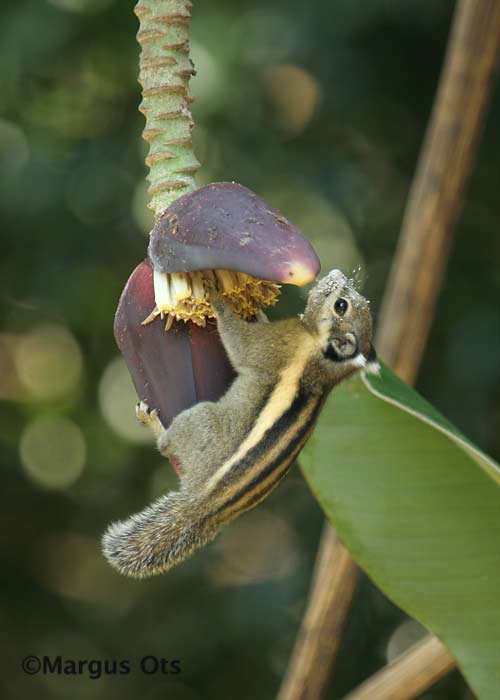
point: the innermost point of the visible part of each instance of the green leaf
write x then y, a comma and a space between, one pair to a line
418, 506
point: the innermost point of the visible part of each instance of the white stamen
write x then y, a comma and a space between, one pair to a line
180, 286
198, 292
163, 296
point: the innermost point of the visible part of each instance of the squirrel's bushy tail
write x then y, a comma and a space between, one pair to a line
159, 537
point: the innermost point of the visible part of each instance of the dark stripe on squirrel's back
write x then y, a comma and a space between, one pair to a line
302, 415
269, 438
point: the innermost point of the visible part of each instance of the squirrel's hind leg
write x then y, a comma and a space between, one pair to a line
149, 419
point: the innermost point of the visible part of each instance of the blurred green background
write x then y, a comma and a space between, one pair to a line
320, 108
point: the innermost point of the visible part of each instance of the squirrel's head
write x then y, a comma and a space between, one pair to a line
341, 319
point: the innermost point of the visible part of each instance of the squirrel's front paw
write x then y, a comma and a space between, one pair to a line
148, 418
215, 298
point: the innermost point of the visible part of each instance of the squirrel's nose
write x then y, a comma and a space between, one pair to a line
346, 346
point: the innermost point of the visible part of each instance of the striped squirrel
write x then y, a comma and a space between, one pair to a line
233, 452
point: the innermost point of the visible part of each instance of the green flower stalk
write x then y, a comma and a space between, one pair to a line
164, 72
222, 234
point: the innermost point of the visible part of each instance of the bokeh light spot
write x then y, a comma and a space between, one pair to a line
14, 150
73, 566
49, 362
82, 6
208, 86
404, 636
53, 452
143, 217
117, 399
9, 380
294, 94
259, 547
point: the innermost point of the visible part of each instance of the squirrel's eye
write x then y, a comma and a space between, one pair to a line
341, 306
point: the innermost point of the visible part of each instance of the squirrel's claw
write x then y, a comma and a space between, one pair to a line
150, 419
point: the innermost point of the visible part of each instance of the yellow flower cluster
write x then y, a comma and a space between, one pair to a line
182, 295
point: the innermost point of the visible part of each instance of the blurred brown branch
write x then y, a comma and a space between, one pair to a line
436, 194
407, 312
409, 674
320, 635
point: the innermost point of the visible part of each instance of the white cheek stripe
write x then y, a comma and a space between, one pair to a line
372, 368
280, 400
359, 361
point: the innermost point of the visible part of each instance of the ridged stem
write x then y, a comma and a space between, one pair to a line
164, 72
